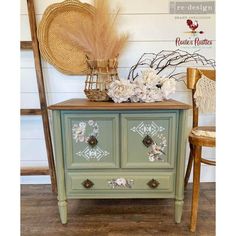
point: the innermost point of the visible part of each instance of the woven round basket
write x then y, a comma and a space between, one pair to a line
59, 51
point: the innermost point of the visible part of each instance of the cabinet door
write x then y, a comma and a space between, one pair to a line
90, 140
149, 140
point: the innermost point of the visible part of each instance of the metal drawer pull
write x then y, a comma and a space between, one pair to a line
92, 141
88, 184
147, 141
153, 183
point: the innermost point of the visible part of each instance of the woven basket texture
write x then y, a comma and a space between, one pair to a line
102, 73
59, 51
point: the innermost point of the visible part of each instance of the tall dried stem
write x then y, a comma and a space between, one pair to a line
96, 35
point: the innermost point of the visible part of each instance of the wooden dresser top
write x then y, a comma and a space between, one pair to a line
85, 104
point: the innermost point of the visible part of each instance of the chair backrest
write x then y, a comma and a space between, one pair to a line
193, 75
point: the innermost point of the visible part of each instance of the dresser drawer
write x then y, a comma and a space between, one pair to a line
119, 182
149, 140
90, 140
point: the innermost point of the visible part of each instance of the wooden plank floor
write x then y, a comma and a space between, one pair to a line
39, 215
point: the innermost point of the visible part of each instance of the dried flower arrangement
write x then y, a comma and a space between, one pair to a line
149, 87
99, 39
158, 81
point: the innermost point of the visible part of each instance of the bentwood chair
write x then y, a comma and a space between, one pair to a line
197, 142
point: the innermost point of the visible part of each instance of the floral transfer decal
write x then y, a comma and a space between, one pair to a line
81, 136
79, 131
157, 149
121, 182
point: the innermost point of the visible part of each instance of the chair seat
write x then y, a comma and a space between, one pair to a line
202, 140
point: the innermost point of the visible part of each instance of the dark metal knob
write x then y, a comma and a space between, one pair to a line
147, 141
92, 141
153, 183
88, 184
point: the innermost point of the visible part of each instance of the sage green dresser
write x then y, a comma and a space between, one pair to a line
128, 150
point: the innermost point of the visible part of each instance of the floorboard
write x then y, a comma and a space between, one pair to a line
129, 217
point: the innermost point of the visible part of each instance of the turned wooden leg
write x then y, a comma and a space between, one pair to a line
196, 186
178, 210
62, 205
189, 167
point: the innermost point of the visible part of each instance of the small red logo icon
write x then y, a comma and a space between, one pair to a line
193, 26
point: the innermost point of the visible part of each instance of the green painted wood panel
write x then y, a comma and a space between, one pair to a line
104, 182
161, 127
78, 128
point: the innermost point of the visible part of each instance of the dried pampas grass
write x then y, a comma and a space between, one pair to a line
97, 36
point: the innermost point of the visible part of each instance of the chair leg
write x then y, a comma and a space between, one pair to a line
189, 167
196, 186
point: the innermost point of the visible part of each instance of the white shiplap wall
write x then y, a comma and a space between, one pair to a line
151, 29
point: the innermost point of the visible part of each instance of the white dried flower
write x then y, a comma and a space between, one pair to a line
120, 90
145, 90
154, 95
168, 87
149, 78
139, 91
